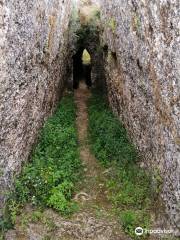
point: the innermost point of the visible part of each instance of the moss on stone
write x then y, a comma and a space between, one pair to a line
112, 24
136, 22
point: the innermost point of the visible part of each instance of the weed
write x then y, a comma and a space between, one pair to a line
36, 216
136, 23
128, 185
13, 209
97, 14
60, 198
47, 238
24, 220
133, 218
87, 33
51, 226
108, 136
49, 178
112, 24
157, 182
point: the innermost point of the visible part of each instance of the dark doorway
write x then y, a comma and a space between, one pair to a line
81, 68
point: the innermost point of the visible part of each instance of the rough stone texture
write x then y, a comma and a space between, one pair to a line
33, 60
97, 75
142, 51
82, 226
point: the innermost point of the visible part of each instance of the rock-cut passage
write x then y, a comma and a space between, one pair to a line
93, 218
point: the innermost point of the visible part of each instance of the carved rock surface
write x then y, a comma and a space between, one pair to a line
33, 60
142, 53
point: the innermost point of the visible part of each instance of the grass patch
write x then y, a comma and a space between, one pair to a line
49, 179
128, 185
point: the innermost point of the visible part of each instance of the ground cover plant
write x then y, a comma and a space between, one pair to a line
50, 177
128, 185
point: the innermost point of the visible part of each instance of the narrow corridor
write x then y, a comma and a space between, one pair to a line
94, 219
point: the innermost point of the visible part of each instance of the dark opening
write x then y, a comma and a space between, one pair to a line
139, 65
105, 48
81, 68
114, 56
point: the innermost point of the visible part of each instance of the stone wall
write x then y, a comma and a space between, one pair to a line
33, 61
142, 53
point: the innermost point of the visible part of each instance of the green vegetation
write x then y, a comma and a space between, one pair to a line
157, 181
89, 26
112, 24
136, 23
87, 33
89, 29
128, 185
49, 179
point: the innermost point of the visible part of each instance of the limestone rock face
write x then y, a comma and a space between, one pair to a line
142, 53
33, 60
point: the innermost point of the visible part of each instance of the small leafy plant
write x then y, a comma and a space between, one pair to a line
60, 198
112, 24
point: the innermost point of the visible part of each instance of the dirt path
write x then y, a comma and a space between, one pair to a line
92, 198
94, 220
